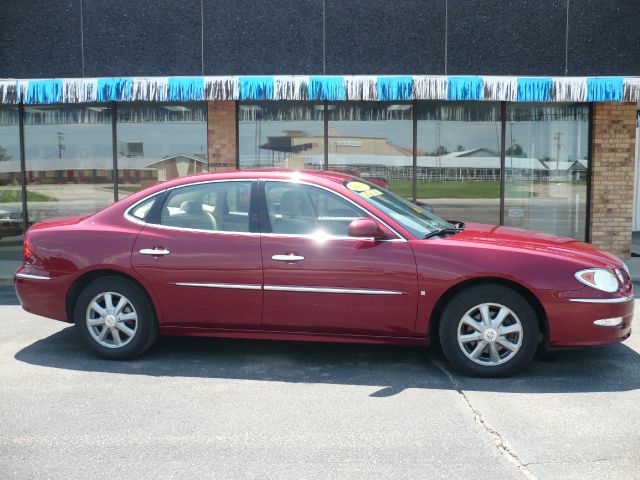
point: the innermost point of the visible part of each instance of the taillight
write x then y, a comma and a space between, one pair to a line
28, 250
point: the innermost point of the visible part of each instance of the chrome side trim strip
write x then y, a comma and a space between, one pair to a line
32, 277
290, 288
236, 286
602, 300
361, 291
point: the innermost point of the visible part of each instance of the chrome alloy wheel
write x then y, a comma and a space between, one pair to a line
111, 319
490, 334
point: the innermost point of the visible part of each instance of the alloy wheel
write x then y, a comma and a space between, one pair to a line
490, 334
111, 319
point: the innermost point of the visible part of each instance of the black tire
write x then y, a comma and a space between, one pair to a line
146, 331
467, 300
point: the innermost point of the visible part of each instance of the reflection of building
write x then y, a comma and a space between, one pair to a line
379, 156
179, 166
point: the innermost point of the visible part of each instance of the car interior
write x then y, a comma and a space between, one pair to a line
219, 207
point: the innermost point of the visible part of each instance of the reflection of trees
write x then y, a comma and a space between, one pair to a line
4, 154
441, 150
515, 150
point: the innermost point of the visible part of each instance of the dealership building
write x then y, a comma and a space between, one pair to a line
511, 113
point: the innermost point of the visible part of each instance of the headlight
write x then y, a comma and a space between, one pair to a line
599, 278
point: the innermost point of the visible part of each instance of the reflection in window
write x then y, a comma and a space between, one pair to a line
373, 140
218, 206
458, 160
302, 209
546, 166
69, 163
159, 142
11, 219
281, 135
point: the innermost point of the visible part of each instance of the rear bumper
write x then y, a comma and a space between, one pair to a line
571, 322
41, 294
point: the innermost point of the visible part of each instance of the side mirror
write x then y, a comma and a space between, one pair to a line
365, 228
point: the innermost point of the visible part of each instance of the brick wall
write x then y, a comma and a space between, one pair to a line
613, 160
221, 135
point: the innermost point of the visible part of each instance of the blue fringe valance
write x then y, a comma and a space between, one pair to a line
113, 89
327, 88
534, 89
256, 88
604, 89
465, 88
185, 88
395, 88
320, 88
44, 91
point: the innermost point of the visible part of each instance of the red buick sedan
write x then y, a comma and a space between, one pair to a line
317, 256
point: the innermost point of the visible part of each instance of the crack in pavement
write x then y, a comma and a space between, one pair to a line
501, 445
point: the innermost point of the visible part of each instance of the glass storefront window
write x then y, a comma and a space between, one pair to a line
11, 217
281, 135
546, 168
69, 164
373, 140
458, 160
158, 142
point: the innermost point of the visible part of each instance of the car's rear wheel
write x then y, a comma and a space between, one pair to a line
115, 318
489, 330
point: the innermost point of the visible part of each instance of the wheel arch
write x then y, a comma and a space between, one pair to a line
445, 298
80, 283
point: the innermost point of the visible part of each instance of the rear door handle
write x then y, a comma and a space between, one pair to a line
155, 251
287, 258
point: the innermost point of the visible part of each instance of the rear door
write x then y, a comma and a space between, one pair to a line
200, 252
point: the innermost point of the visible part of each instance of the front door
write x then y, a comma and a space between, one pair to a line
318, 279
201, 256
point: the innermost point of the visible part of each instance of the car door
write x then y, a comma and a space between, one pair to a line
318, 279
200, 252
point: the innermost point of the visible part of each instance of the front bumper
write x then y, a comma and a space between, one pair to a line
571, 321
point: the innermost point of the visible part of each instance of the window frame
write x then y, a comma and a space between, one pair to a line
265, 222
152, 219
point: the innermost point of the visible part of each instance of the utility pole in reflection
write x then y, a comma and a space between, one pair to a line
557, 137
61, 146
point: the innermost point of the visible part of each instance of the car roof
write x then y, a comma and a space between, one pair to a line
265, 174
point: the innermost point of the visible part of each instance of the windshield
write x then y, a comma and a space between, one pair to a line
413, 218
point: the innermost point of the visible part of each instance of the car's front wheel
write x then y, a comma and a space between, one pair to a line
115, 318
489, 330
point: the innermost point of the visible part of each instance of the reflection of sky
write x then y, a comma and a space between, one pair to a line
536, 138
89, 145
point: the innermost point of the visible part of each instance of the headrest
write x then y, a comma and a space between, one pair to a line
191, 207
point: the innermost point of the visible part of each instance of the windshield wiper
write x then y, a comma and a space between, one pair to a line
440, 231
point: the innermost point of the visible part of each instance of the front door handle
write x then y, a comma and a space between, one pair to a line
287, 258
155, 251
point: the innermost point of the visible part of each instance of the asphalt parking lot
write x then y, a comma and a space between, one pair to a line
218, 408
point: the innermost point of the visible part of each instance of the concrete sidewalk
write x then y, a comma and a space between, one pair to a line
634, 268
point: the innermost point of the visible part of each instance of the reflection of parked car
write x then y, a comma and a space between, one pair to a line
10, 223
379, 181
318, 256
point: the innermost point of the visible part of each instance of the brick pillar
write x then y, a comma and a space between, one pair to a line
221, 135
612, 175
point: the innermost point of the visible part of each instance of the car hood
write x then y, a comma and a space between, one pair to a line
535, 241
